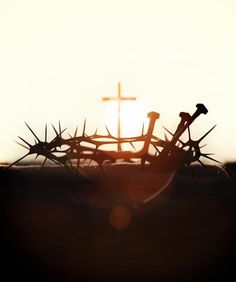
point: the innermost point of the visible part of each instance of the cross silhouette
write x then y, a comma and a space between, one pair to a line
119, 99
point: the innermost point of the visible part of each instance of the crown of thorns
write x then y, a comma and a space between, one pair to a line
168, 154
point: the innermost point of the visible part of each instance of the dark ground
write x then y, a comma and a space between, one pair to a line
56, 227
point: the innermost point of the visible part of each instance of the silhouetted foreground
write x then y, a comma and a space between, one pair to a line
168, 155
61, 227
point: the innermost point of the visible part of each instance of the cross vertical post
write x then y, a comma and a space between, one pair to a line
119, 99
118, 120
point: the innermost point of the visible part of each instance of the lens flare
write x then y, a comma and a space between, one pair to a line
120, 217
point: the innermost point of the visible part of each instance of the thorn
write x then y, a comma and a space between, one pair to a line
142, 133
64, 130
56, 162
155, 138
76, 131
32, 132
132, 145
95, 133
108, 131
18, 160
25, 141
201, 162
84, 126
21, 145
166, 139
59, 125
43, 163
59, 135
206, 156
36, 156
156, 148
199, 140
203, 146
168, 130
172, 134
46, 128
54, 129
189, 134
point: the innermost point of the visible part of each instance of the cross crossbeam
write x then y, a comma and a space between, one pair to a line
119, 98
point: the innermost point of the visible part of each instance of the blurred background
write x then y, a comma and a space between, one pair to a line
59, 58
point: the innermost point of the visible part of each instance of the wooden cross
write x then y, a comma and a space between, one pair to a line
119, 99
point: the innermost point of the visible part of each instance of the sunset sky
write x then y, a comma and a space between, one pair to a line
59, 58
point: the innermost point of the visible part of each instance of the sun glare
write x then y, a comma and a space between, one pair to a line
132, 116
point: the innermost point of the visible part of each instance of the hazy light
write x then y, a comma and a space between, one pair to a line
120, 217
132, 116
58, 58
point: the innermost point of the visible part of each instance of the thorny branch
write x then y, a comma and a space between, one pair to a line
168, 154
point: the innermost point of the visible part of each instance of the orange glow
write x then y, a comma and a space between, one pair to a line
84, 48
120, 217
132, 116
